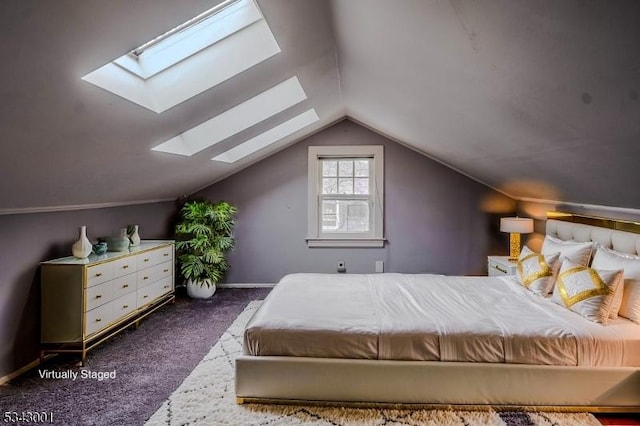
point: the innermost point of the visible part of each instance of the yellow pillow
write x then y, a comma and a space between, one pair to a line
586, 291
536, 271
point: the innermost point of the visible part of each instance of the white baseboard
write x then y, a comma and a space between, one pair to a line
246, 285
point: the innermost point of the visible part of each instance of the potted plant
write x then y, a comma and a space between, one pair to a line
204, 234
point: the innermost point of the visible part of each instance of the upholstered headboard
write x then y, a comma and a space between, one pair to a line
622, 241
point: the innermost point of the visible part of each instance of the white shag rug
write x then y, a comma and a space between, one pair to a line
206, 397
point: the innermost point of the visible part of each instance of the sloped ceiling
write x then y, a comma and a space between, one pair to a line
539, 99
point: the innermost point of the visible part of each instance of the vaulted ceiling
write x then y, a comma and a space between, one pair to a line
538, 99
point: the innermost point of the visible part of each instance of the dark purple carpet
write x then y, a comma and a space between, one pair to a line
149, 364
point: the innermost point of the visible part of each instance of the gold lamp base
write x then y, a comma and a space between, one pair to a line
514, 246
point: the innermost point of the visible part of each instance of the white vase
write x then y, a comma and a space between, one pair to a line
200, 290
134, 237
82, 248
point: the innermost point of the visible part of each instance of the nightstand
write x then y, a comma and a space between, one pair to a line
500, 266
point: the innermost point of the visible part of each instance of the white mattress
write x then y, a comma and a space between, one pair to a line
432, 318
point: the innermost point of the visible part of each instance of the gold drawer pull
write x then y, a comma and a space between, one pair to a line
125, 286
125, 266
166, 255
146, 260
167, 286
500, 269
98, 319
165, 270
99, 274
125, 306
145, 278
145, 296
98, 296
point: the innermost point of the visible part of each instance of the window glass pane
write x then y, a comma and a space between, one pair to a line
329, 168
346, 167
345, 186
361, 186
329, 185
362, 167
358, 216
329, 216
345, 216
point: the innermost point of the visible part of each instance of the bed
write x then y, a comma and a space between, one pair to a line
438, 340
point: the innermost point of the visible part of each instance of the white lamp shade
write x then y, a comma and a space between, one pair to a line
519, 225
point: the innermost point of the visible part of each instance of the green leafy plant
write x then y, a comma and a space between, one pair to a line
204, 234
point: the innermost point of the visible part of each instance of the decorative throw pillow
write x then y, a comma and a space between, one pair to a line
579, 253
536, 271
586, 291
627, 298
630, 307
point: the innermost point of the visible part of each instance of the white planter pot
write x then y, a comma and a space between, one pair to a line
200, 290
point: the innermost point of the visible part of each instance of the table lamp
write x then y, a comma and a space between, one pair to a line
515, 226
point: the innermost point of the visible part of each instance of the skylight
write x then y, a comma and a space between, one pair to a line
187, 60
189, 38
267, 138
236, 119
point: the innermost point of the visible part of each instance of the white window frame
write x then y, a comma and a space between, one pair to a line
375, 238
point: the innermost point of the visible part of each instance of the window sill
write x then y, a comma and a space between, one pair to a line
345, 242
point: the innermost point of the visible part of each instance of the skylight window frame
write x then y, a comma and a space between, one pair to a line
138, 51
189, 38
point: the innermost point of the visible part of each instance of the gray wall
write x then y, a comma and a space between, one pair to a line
434, 221
28, 239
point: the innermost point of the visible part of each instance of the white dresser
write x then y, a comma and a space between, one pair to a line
86, 301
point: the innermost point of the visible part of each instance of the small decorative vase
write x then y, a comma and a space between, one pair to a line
100, 248
82, 248
134, 237
120, 243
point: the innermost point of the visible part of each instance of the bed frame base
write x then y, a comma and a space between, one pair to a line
461, 407
425, 384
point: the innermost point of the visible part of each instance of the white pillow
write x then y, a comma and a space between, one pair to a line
586, 291
628, 297
579, 253
536, 271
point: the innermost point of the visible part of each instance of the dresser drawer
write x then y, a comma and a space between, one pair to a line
124, 305
99, 295
165, 286
153, 291
124, 285
99, 273
147, 294
125, 266
153, 274
154, 257
98, 318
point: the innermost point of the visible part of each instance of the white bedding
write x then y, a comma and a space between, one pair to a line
431, 317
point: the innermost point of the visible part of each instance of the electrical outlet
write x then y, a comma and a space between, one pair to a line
341, 266
379, 266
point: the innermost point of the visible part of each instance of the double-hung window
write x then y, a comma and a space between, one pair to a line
346, 196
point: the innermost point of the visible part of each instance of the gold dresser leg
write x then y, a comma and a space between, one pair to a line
239, 400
